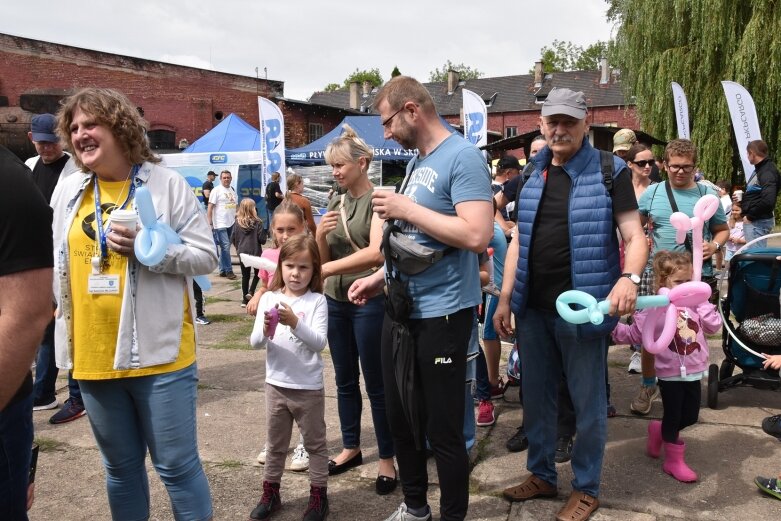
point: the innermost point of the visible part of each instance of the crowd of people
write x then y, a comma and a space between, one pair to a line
390, 282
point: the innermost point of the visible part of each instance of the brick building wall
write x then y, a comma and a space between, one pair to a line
188, 101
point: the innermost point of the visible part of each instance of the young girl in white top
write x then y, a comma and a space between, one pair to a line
294, 371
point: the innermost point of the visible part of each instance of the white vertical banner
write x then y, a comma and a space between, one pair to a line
681, 111
475, 119
743, 114
272, 142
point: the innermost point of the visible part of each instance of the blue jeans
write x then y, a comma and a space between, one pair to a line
16, 442
129, 415
46, 372
354, 337
551, 347
222, 236
758, 228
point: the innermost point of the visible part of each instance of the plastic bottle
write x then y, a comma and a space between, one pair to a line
273, 320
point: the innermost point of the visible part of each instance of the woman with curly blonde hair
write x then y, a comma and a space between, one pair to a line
126, 330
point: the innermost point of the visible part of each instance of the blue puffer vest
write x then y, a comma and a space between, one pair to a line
592, 235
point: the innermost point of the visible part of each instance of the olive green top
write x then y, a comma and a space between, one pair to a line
359, 218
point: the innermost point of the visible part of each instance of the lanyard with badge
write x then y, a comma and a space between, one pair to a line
99, 283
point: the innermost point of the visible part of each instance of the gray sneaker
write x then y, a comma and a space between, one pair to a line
645, 398
402, 514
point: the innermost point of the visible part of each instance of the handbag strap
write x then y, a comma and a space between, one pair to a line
343, 213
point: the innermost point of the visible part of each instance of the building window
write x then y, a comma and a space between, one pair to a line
510, 131
162, 139
315, 131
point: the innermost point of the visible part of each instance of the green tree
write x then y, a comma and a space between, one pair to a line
373, 76
699, 44
395, 72
566, 56
332, 87
465, 72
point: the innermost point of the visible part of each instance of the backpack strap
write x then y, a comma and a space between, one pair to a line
606, 158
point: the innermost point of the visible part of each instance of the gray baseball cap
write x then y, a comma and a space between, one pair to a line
565, 101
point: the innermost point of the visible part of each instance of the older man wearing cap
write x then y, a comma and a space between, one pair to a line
566, 240
49, 167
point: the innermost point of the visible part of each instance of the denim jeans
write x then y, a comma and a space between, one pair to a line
129, 415
758, 228
551, 347
46, 372
222, 236
16, 442
354, 337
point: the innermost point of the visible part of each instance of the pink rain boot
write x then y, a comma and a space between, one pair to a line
653, 446
674, 464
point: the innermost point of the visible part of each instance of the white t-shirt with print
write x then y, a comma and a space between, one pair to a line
224, 201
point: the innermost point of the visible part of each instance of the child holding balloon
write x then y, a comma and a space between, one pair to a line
288, 221
292, 323
679, 366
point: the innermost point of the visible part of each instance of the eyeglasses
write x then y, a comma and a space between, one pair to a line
642, 163
686, 169
387, 121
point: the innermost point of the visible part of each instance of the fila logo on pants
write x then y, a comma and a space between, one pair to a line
443, 360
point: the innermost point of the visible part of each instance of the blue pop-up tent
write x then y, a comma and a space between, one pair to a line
369, 128
232, 134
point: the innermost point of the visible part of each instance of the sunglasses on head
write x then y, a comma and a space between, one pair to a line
643, 163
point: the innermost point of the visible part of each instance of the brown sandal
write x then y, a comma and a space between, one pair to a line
579, 507
532, 488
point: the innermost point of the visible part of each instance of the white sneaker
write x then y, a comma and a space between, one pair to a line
635, 363
262, 454
402, 514
300, 460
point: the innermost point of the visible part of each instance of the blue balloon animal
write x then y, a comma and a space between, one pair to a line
593, 311
155, 236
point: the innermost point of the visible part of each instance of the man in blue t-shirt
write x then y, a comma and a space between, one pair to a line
446, 203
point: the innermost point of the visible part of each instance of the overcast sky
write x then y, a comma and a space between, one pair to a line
311, 43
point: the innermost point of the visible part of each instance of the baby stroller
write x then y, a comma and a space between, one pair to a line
752, 325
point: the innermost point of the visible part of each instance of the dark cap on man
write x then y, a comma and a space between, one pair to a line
211, 172
565, 101
43, 128
508, 161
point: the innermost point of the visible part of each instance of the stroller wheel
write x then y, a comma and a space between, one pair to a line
726, 369
713, 386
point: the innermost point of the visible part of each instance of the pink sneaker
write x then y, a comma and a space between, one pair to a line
485, 413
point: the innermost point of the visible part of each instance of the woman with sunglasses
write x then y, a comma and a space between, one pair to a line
640, 160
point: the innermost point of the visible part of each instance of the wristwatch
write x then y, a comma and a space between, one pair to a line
719, 246
634, 278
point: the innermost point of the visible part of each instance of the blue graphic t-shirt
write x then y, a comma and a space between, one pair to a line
655, 205
452, 173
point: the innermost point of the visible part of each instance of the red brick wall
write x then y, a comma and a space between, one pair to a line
183, 99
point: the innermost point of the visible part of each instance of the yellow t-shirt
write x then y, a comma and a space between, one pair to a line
96, 316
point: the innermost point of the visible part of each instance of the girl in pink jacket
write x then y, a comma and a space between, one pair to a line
679, 368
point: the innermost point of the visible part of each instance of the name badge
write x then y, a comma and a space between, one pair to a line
103, 284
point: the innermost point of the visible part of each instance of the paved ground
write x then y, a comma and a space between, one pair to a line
727, 448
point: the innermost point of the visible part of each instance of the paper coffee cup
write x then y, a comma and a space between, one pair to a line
384, 188
738, 195
126, 218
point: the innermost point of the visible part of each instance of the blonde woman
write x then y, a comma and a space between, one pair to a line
349, 237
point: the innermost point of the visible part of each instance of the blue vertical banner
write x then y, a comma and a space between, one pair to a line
475, 119
272, 142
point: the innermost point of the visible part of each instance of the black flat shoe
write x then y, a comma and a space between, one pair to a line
335, 469
385, 485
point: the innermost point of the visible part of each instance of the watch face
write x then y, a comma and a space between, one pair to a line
631, 276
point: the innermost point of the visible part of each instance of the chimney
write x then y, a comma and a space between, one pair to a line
539, 67
604, 77
452, 81
354, 101
367, 88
